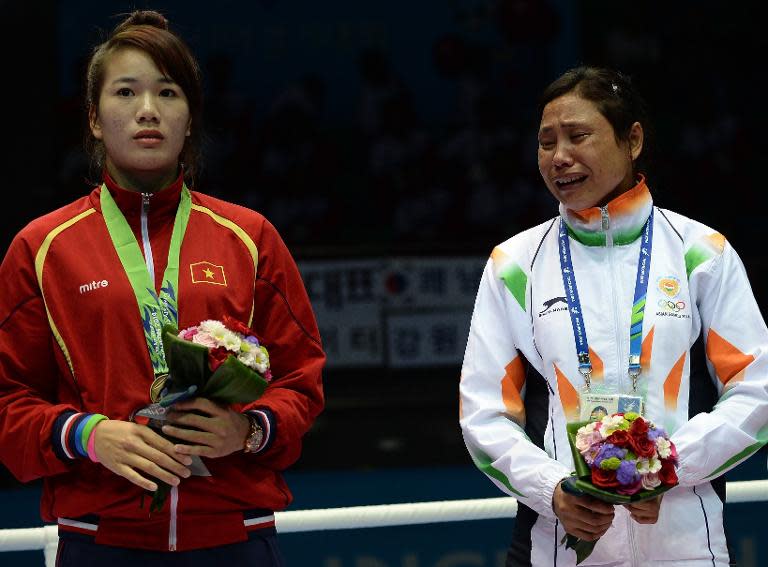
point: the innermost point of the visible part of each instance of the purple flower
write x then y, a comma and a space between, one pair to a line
627, 473
656, 432
607, 451
253, 340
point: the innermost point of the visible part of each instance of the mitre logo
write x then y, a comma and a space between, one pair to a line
207, 272
86, 287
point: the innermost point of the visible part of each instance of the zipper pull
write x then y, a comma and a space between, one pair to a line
145, 200
606, 221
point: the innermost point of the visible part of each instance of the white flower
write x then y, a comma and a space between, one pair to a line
610, 424
231, 341
650, 481
643, 466
247, 359
654, 465
210, 326
664, 447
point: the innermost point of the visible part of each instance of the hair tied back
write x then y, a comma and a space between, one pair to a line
143, 18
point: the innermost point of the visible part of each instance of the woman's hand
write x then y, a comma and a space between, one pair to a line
585, 517
219, 432
645, 512
132, 450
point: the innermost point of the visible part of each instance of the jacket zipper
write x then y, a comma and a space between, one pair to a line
172, 523
632, 543
145, 197
606, 225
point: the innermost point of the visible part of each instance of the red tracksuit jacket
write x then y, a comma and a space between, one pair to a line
70, 345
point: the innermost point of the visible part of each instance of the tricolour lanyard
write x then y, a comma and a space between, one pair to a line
155, 310
638, 304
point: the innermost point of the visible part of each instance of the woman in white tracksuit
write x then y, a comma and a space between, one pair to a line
554, 311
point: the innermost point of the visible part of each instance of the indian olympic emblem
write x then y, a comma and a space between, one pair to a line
206, 272
669, 286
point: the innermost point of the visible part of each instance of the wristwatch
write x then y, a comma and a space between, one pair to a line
255, 435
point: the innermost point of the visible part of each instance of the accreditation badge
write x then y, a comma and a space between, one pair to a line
594, 407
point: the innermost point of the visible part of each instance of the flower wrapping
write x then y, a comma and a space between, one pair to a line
221, 361
620, 459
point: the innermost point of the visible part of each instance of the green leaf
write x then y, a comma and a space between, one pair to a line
582, 548
187, 361
234, 382
581, 466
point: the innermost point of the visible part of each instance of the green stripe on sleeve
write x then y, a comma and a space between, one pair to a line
695, 257
762, 439
516, 281
483, 462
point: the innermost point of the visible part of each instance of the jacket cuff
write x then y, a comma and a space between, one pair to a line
266, 419
550, 480
71, 430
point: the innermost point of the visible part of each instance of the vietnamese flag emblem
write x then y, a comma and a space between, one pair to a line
206, 272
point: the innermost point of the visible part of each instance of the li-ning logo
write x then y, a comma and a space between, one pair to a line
550, 303
85, 288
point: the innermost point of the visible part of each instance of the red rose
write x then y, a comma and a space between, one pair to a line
604, 478
217, 356
234, 325
619, 438
642, 446
639, 427
667, 474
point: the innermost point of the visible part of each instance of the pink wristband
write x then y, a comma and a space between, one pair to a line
92, 447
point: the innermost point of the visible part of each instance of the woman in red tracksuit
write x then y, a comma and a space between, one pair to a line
76, 323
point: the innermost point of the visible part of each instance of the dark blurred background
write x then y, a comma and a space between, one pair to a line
393, 144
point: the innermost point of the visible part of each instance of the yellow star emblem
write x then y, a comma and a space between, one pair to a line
208, 273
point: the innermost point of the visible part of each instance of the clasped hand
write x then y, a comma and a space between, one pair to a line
135, 451
588, 518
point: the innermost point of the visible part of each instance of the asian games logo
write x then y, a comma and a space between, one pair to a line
668, 304
669, 286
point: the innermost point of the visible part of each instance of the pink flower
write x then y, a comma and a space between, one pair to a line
203, 338
187, 334
650, 480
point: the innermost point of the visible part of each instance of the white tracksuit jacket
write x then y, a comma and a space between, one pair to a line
704, 374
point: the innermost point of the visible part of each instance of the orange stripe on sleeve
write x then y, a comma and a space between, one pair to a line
672, 384
729, 362
568, 396
511, 388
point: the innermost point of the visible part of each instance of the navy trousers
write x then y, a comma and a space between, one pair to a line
261, 550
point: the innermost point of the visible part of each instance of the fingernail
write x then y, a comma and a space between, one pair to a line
152, 487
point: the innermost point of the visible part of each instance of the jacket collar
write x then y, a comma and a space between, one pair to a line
622, 219
163, 203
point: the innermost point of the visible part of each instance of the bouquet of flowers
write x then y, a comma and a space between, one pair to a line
620, 459
221, 361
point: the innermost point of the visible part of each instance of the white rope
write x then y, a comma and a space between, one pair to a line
395, 514
378, 516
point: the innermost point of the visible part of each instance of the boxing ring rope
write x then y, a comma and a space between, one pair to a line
377, 516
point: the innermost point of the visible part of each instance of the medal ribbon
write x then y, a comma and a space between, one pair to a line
155, 310
638, 304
